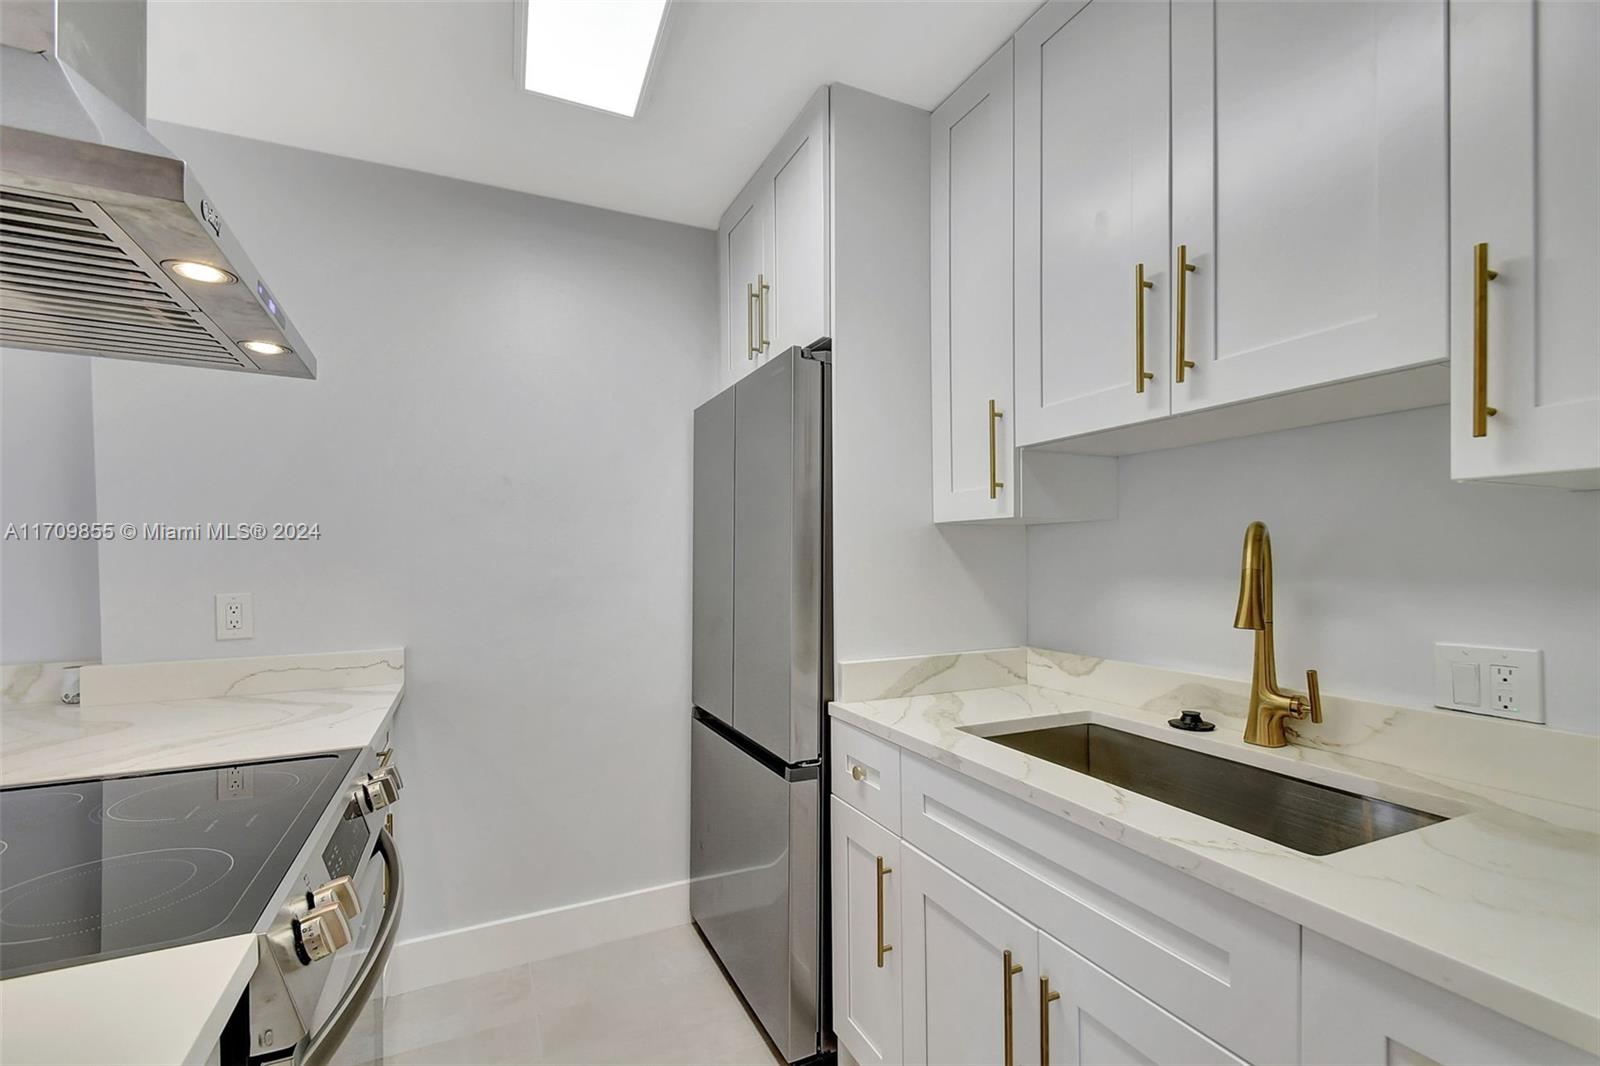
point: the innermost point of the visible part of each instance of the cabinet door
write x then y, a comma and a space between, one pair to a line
962, 1004
1091, 210
1359, 1012
972, 298
744, 257
797, 266
1309, 188
1099, 1021
1525, 164
866, 928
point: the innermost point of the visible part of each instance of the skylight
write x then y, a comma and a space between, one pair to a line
591, 52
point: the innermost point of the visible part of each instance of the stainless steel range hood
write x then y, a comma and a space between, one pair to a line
103, 231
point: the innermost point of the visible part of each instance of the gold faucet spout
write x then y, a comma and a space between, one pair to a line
1255, 580
1269, 705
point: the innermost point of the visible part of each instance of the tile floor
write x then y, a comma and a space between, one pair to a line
658, 998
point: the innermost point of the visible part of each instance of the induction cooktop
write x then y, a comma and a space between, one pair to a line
91, 870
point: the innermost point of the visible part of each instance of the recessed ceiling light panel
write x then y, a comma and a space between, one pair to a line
590, 52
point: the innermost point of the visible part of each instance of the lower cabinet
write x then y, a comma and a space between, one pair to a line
1089, 1018
971, 972
1361, 1012
928, 967
867, 955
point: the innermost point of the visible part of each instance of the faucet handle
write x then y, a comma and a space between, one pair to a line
1314, 695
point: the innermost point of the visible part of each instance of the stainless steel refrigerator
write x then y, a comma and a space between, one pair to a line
762, 676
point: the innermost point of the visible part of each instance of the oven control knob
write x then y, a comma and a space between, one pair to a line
320, 932
342, 892
380, 789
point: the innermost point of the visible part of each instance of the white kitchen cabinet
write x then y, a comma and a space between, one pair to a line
978, 472
745, 247
866, 927
1089, 1018
1309, 190
1524, 166
971, 323
773, 249
1091, 217
1360, 1012
1223, 966
971, 972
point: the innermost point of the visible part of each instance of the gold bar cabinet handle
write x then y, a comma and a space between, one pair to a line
762, 288
995, 484
1140, 375
1046, 997
883, 949
749, 321
1011, 970
1481, 276
1185, 267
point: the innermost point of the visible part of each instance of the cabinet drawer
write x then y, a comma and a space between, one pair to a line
866, 774
1223, 966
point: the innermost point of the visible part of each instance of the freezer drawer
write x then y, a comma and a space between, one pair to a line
754, 882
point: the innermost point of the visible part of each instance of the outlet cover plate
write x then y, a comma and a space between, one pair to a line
236, 616
1503, 682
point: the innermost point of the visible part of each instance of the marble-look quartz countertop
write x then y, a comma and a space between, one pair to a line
42, 742
1500, 903
169, 1006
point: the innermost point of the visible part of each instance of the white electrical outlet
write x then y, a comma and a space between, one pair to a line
236, 782
236, 616
1504, 682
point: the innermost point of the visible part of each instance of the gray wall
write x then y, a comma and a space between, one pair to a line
903, 585
1377, 555
498, 452
50, 609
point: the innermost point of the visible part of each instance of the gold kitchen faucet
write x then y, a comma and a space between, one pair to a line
1269, 705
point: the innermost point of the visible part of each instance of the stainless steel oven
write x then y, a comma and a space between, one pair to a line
323, 949
293, 850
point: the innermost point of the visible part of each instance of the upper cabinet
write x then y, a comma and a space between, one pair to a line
1223, 203
1092, 226
1525, 242
978, 472
1309, 177
773, 249
971, 322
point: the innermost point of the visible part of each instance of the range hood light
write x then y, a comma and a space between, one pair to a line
204, 273
264, 348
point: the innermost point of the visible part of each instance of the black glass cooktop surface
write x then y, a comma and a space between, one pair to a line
92, 870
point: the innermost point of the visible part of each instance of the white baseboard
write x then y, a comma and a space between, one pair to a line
506, 942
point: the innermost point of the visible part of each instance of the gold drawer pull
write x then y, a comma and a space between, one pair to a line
1481, 276
995, 484
1140, 375
1011, 970
857, 772
1046, 997
883, 949
1185, 268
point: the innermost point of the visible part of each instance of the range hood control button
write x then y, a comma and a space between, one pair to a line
320, 932
341, 891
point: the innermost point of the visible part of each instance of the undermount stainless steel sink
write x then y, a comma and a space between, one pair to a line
1310, 818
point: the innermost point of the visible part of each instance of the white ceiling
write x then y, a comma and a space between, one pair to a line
429, 85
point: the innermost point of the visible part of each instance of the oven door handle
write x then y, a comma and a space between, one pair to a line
321, 1047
